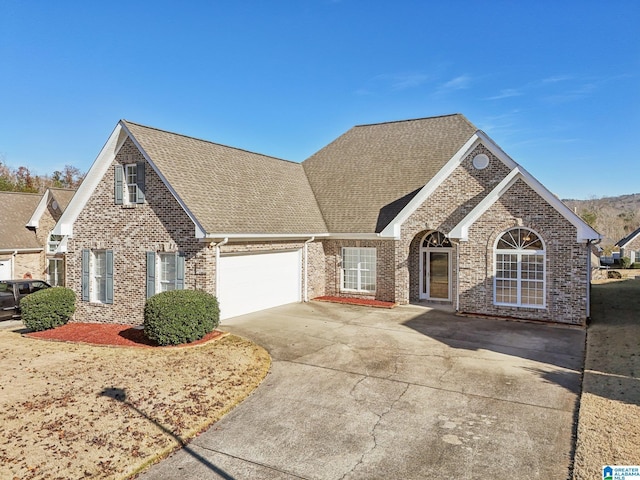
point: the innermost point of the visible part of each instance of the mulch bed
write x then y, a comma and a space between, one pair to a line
108, 334
357, 301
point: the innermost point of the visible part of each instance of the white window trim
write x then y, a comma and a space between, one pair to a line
126, 197
93, 289
359, 271
159, 281
518, 279
59, 263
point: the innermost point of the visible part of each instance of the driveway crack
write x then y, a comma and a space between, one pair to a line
372, 433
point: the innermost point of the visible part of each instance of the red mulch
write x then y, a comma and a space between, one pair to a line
357, 301
107, 334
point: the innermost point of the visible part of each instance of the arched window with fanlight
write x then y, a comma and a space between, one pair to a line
519, 269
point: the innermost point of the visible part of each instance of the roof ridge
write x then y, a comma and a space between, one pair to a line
415, 119
209, 141
22, 193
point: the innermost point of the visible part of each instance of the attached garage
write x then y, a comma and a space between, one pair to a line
5, 268
252, 282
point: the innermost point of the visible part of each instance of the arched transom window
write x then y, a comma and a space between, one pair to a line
436, 239
519, 269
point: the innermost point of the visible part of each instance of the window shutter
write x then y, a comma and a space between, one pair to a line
140, 178
180, 271
119, 182
109, 276
151, 274
85, 275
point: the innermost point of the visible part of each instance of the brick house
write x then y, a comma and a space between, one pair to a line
26, 247
428, 210
630, 246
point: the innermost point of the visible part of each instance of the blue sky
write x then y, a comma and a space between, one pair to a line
555, 84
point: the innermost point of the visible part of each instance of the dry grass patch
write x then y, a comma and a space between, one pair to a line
81, 411
609, 420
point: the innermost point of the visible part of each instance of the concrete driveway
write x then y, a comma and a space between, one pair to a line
411, 393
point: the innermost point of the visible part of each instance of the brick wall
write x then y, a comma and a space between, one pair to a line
160, 224
566, 265
30, 263
385, 275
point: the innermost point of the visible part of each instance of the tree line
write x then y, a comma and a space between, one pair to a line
22, 180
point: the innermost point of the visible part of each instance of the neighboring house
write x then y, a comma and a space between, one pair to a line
26, 220
49, 210
428, 210
630, 246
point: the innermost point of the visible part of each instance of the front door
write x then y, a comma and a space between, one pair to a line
436, 276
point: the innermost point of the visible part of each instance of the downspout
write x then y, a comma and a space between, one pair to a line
13, 263
306, 266
218, 245
590, 242
457, 244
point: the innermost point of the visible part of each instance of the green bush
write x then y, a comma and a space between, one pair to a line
48, 308
625, 262
636, 265
180, 316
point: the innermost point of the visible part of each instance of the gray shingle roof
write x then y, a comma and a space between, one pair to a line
365, 177
230, 190
62, 196
15, 211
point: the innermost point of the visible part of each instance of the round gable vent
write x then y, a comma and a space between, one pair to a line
480, 161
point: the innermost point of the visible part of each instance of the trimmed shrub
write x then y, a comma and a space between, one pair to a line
625, 262
48, 308
180, 316
635, 265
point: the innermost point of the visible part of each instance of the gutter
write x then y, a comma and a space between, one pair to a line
218, 245
306, 268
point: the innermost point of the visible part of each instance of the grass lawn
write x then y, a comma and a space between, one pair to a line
609, 420
81, 411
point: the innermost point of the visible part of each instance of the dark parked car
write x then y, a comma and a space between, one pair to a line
12, 291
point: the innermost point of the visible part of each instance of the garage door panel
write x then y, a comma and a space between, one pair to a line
249, 283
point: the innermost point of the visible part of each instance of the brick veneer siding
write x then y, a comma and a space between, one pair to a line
385, 268
444, 209
160, 224
472, 279
566, 260
632, 246
30, 263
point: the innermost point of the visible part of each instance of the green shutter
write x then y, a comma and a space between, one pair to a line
151, 274
119, 184
85, 275
180, 271
140, 178
109, 276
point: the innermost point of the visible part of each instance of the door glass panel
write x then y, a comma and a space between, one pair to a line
439, 275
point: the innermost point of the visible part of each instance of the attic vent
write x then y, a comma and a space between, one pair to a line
481, 161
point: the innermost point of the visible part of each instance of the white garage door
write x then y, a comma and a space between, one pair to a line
249, 283
5, 268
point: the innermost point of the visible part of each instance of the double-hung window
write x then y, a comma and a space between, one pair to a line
129, 183
55, 272
131, 176
519, 269
97, 276
359, 269
165, 271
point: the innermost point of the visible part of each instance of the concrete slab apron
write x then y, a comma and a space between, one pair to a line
358, 393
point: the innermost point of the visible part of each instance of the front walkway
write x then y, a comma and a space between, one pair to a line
411, 393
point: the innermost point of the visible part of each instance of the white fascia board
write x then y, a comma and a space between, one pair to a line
200, 232
34, 221
261, 236
461, 230
584, 232
393, 228
360, 236
90, 182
